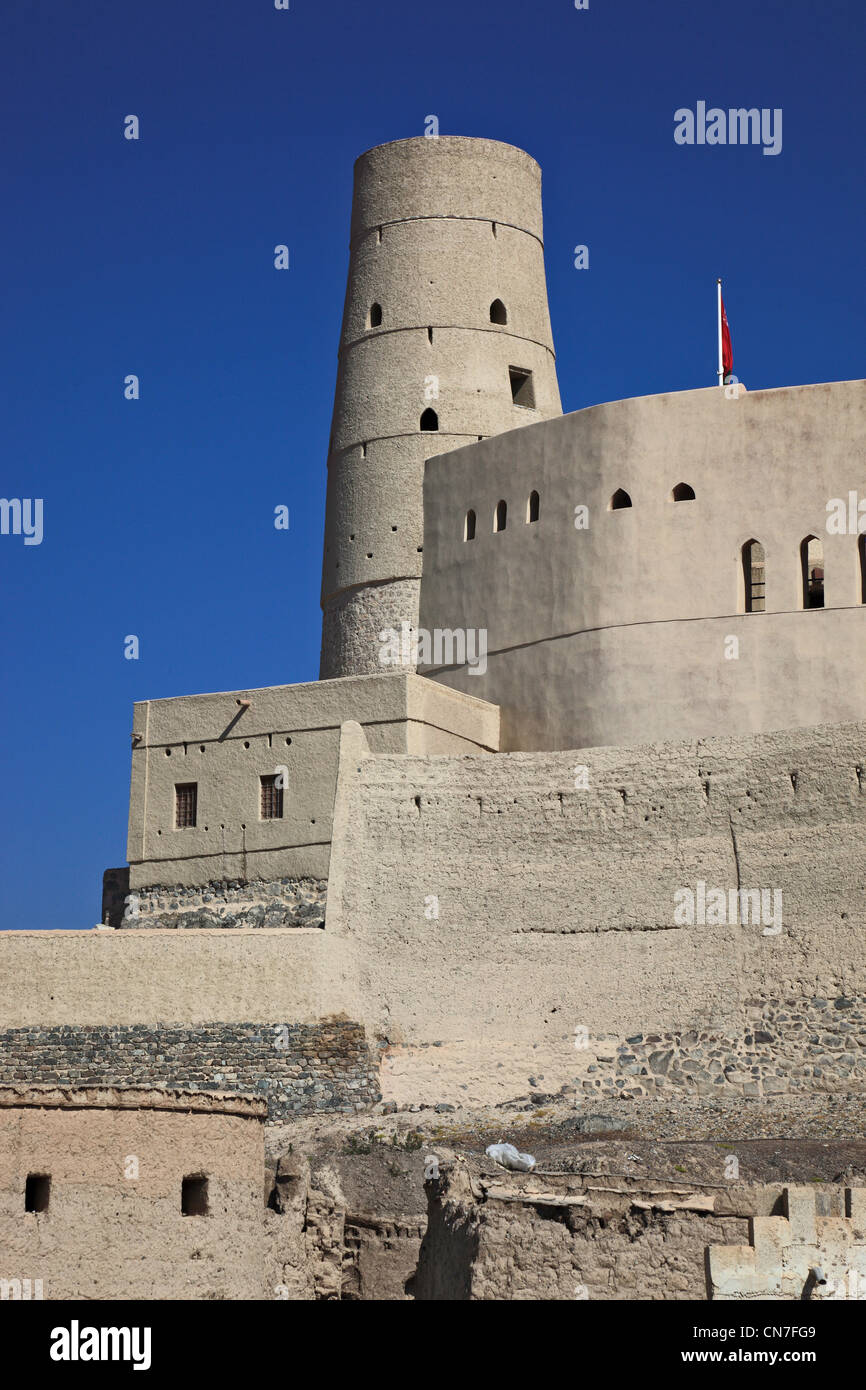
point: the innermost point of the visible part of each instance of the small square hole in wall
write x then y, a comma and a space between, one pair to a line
37, 1192
522, 390
193, 1195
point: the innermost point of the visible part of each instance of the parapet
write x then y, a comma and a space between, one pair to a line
467, 177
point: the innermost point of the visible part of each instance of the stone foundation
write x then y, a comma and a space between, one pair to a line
285, 902
794, 1045
299, 1069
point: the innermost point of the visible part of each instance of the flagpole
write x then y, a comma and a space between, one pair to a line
721, 369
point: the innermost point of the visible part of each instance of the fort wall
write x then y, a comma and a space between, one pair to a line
264, 1012
615, 627
498, 926
141, 977
514, 932
223, 744
110, 1223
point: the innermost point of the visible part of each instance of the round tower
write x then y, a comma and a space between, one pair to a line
446, 340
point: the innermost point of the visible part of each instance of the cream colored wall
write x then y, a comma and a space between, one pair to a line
440, 229
493, 906
225, 749
107, 977
617, 634
111, 1236
786, 1248
556, 903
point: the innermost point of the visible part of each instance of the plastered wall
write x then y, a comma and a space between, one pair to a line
496, 908
618, 631
441, 228
112, 977
114, 1227
507, 924
225, 746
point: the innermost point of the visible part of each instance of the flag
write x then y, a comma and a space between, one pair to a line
727, 350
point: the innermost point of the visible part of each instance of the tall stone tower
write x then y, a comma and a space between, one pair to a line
446, 340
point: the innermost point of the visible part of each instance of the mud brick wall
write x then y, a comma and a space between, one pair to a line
299, 1069
555, 878
539, 1254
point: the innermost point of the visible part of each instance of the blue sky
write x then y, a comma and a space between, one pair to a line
155, 257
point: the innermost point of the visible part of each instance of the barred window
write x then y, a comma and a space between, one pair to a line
272, 798
185, 803
754, 577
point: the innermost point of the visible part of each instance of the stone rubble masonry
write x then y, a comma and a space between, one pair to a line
783, 1250
790, 1045
298, 1069
286, 902
806, 1046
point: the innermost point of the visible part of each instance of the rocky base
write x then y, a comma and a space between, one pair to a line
794, 1045
285, 902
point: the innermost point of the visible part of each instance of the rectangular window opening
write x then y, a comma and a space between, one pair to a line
193, 1195
522, 390
185, 804
271, 798
37, 1192
758, 589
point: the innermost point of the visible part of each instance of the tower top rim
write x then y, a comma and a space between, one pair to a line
462, 142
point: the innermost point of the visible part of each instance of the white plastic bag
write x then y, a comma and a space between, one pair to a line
508, 1157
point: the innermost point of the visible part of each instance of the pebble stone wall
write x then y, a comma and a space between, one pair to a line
299, 1069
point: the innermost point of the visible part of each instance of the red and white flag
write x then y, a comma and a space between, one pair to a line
727, 350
